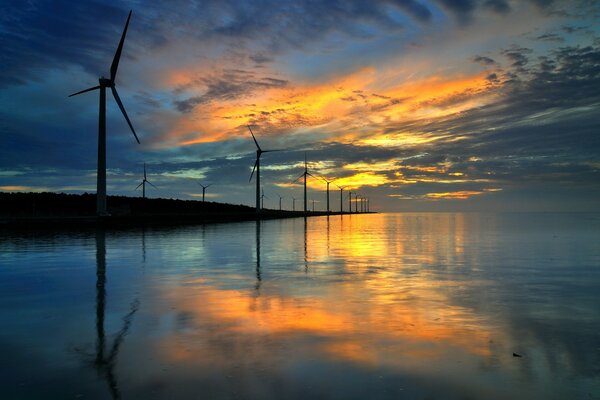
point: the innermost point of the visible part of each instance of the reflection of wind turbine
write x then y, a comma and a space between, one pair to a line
341, 197
204, 189
256, 168
258, 278
305, 174
105, 365
107, 83
280, 198
143, 184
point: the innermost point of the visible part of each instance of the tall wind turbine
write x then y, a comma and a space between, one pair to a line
341, 197
204, 189
256, 168
328, 182
143, 184
107, 83
280, 198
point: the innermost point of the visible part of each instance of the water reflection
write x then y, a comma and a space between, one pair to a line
105, 363
361, 306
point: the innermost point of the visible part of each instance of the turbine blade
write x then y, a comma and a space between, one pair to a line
151, 184
138, 186
252, 133
253, 169
86, 90
115, 63
116, 95
207, 186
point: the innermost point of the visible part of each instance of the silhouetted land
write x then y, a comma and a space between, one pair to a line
52, 209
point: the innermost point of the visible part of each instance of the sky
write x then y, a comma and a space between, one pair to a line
445, 105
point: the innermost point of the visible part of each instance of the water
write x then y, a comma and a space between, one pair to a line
415, 306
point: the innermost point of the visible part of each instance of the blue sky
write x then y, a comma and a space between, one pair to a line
419, 105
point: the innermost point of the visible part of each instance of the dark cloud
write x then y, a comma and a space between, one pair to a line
519, 56
550, 37
499, 6
462, 9
483, 60
39, 34
230, 85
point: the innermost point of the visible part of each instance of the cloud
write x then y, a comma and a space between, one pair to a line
230, 85
484, 60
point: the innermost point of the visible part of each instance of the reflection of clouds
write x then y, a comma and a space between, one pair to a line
395, 315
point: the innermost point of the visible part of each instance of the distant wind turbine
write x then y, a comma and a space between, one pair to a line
341, 197
294, 204
280, 198
262, 199
143, 184
305, 174
204, 189
328, 182
256, 168
107, 83
349, 202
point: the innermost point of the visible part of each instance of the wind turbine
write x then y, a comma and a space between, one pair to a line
356, 196
262, 199
280, 198
327, 182
204, 189
305, 174
259, 152
107, 83
341, 197
143, 184
349, 202
294, 204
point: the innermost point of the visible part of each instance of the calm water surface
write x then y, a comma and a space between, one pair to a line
389, 306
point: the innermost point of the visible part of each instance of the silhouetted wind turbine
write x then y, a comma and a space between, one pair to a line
107, 83
143, 184
305, 175
259, 152
328, 182
262, 199
341, 197
356, 202
280, 198
294, 204
204, 189
350, 202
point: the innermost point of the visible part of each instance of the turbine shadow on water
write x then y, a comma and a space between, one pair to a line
105, 360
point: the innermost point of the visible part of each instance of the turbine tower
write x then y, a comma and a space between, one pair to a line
304, 174
103, 84
328, 182
143, 184
256, 168
294, 204
204, 189
349, 202
280, 198
341, 197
